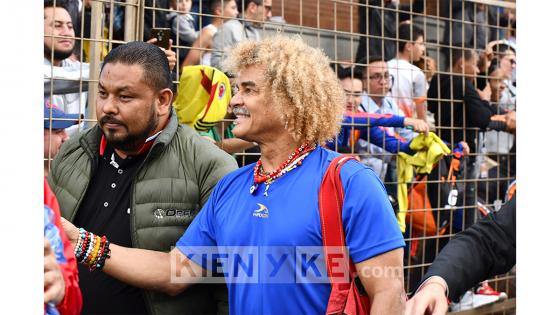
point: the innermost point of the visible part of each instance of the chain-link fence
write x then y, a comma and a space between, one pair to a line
435, 61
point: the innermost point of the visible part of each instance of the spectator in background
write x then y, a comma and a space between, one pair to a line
57, 52
378, 81
58, 67
508, 63
351, 82
409, 87
200, 52
255, 12
56, 122
497, 145
367, 136
459, 109
378, 25
182, 26
75, 9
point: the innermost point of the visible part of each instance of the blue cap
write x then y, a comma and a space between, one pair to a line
60, 120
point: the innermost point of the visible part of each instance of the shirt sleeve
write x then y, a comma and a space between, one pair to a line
386, 141
369, 221
186, 29
223, 39
371, 119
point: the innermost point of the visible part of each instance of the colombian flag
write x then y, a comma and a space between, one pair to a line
203, 96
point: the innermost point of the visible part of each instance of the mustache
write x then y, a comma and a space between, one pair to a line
240, 111
110, 120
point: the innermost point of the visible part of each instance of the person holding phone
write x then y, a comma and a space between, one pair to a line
60, 64
182, 26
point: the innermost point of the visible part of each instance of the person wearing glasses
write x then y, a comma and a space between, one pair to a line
255, 12
378, 82
365, 133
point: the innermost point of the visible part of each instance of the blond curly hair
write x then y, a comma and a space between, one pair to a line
300, 81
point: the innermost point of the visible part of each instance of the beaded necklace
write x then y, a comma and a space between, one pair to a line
294, 160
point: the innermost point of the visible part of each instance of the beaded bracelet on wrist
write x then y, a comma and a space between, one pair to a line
92, 250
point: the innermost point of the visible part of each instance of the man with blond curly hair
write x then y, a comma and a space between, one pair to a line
261, 226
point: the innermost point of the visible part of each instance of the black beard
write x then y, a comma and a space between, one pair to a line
132, 142
59, 55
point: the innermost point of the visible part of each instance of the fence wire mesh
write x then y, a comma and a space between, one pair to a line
464, 46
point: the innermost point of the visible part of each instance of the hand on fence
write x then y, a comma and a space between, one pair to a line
485, 94
511, 121
508, 118
418, 125
170, 54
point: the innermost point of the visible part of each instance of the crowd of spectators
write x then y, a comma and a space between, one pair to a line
396, 92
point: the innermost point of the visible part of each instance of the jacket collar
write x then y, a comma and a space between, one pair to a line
92, 138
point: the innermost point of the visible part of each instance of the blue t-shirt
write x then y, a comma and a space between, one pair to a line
278, 234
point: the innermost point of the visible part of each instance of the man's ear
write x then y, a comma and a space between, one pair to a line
408, 46
462, 63
164, 100
252, 8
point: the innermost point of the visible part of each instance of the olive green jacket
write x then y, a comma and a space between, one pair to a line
169, 189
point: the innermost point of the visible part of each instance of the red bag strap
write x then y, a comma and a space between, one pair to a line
331, 196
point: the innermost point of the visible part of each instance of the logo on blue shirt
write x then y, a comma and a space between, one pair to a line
261, 212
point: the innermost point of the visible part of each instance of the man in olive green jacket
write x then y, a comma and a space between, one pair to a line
139, 178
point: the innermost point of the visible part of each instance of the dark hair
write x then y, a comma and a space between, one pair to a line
494, 65
149, 56
59, 4
362, 63
408, 33
214, 4
500, 49
458, 53
247, 2
349, 72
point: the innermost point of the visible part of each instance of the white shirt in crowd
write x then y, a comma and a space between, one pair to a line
409, 85
72, 103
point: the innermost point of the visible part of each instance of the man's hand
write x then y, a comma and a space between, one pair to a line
54, 286
510, 121
71, 231
418, 125
485, 94
430, 299
170, 54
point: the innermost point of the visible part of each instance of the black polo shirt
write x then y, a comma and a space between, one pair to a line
105, 210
